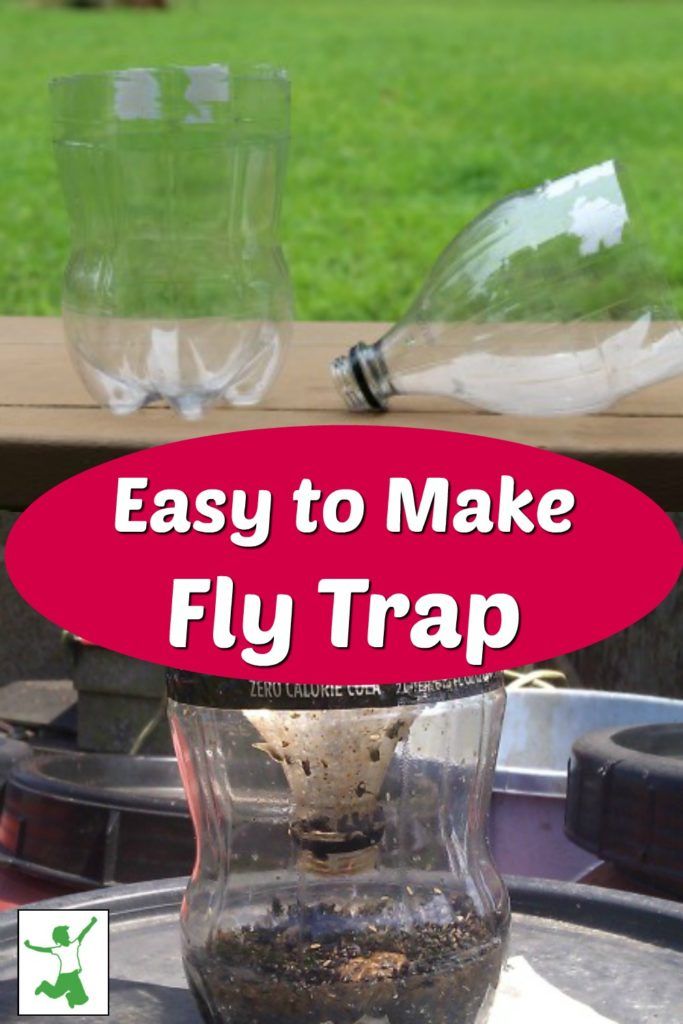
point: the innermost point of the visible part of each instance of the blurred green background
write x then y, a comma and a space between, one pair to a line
409, 117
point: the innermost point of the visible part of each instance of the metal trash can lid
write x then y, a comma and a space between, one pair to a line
625, 799
620, 953
541, 725
86, 819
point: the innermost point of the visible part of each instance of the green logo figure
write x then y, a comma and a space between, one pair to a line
69, 982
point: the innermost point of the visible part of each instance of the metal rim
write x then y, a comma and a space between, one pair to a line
530, 782
29, 776
645, 918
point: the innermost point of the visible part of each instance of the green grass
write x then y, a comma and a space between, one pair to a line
409, 117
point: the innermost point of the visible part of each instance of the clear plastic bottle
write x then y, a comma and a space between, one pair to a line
547, 303
342, 869
176, 287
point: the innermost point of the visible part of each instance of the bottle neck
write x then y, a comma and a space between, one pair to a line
346, 847
362, 378
351, 863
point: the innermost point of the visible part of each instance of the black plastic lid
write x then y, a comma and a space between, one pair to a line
218, 692
625, 799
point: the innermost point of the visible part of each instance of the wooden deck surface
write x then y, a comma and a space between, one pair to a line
50, 428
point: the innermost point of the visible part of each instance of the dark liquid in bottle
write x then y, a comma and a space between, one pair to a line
435, 973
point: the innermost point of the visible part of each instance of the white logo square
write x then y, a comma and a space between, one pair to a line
63, 963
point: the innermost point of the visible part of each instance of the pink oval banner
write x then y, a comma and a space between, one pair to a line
344, 554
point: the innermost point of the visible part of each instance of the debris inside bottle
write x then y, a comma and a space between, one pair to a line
322, 963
